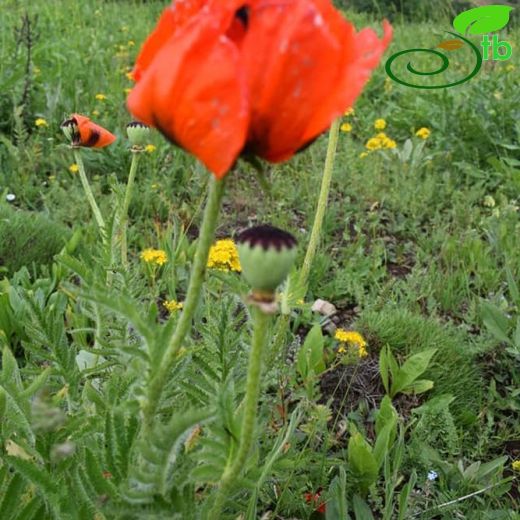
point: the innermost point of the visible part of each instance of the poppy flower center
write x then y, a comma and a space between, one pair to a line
238, 28
242, 14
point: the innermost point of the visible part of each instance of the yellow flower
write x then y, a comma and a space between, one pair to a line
100, 97
127, 91
223, 255
380, 124
349, 112
73, 168
362, 351
129, 76
423, 133
516, 465
150, 148
173, 306
346, 127
510, 67
389, 143
95, 113
362, 155
350, 336
41, 122
124, 28
131, 43
373, 144
154, 186
154, 256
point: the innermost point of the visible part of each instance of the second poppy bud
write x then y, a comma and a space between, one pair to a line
266, 255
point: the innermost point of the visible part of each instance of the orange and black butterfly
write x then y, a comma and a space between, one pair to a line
83, 132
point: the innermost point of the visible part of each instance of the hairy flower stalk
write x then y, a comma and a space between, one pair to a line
126, 204
88, 192
260, 328
207, 232
283, 321
322, 204
266, 257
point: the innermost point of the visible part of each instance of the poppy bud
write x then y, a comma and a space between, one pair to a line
266, 255
138, 134
70, 129
81, 131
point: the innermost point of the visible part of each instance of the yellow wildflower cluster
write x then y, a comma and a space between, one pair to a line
223, 255
423, 133
150, 148
41, 122
74, 168
101, 97
379, 142
379, 124
173, 306
516, 465
351, 338
154, 256
347, 127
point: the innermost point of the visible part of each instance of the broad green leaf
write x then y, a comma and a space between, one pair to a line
484, 19
516, 338
512, 286
496, 321
419, 387
310, 355
361, 461
386, 414
405, 494
337, 507
411, 370
361, 509
384, 369
382, 445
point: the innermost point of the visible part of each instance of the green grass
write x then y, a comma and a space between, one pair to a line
412, 244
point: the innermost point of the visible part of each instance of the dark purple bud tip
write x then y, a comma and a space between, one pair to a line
268, 237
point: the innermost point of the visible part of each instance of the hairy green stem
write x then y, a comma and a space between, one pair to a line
126, 205
206, 236
322, 203
260, 328
282, 324
88, 192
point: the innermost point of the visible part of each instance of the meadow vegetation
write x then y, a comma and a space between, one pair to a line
419, 253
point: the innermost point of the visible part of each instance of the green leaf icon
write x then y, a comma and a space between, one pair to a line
480, 20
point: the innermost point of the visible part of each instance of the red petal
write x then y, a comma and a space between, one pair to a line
194, 92
92, 135
172, 19
305, 65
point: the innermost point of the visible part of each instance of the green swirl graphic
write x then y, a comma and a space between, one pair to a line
439, 70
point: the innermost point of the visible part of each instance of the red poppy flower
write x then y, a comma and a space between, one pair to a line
259, 76
83, 132
314, 499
